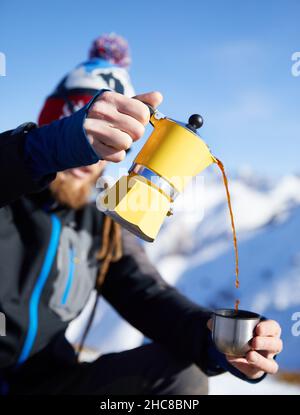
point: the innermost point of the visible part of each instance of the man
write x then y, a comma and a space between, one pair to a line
50, 262
107, 67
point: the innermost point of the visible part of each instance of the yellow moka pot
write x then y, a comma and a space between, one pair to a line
173, 154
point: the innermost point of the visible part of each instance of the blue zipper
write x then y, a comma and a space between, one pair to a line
38, 288
70, 276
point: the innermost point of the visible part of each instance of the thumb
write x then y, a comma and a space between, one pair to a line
151, 98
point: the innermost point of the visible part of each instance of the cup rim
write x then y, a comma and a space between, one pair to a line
240, 314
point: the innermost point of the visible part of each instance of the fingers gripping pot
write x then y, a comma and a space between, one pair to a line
172, 155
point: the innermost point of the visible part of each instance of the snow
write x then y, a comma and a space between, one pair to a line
230, 385
194, 252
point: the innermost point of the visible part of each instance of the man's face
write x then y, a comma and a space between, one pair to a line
73, 187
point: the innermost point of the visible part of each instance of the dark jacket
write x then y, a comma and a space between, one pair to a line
15, 176
48, 268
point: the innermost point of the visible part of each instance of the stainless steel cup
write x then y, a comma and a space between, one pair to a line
232, 330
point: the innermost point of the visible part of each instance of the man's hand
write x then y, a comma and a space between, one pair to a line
265, 344
115, 121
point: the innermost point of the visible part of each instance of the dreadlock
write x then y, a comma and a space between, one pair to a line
110, 251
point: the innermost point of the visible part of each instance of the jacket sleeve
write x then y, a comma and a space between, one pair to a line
15, 176
138, 292
30, 157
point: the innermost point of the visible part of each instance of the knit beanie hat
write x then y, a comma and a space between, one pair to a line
113, 48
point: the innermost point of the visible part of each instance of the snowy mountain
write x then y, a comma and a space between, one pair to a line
194, 251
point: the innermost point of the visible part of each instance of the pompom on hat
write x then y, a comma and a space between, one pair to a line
113, 48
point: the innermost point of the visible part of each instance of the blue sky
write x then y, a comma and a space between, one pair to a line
229, 61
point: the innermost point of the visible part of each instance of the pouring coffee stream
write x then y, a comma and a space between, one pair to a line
196, 122
225, 180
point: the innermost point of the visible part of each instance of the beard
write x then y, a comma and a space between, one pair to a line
71, 192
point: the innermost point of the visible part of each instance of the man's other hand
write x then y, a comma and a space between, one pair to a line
265, 344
